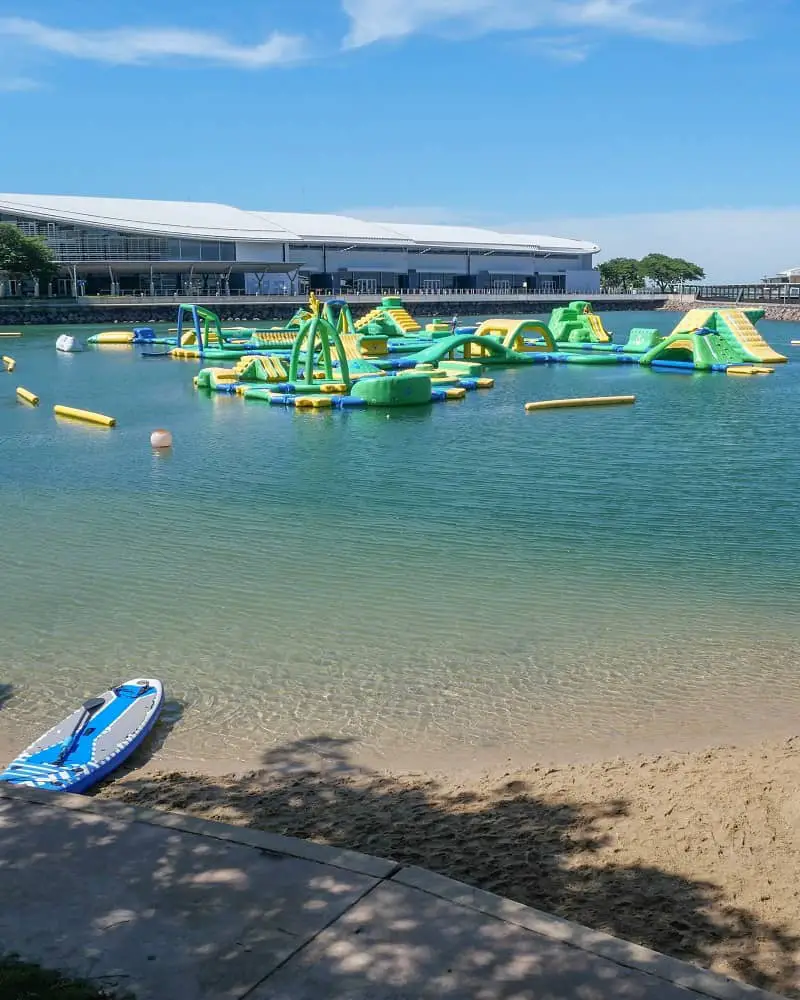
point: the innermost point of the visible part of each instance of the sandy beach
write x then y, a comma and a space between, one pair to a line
696, 854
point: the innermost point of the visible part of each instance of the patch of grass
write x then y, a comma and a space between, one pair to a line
23, 981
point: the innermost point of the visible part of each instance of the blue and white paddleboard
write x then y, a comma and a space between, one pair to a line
92, 742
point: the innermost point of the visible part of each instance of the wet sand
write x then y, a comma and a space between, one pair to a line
693, 854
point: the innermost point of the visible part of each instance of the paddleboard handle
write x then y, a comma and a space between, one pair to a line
89, 708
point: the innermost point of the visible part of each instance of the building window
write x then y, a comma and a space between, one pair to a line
190, 250
209, 250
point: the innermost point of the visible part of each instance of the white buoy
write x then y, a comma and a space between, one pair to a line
161, 439
68, 344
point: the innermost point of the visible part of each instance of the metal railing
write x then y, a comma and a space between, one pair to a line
777, 294
443, 297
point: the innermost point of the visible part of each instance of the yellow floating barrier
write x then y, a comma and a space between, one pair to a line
27, 395
304, 402
321, 402
10, 363
749, 370
550, 404
334, 387
19, 335
86, 415
114, 337
794, 343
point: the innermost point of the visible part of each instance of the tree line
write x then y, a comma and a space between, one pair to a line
627, 274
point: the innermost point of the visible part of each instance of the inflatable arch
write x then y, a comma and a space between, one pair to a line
513, 334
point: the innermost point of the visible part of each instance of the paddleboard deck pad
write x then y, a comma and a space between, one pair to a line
87, 746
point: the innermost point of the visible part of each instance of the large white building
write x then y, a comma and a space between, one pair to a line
126, 246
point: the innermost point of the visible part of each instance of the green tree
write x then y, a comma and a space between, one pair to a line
688, 271
621, 273
25, 256
666, 272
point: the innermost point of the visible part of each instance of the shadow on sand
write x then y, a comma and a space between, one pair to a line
6, 693
509, 841
171, 714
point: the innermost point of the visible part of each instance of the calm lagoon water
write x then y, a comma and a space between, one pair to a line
455, 586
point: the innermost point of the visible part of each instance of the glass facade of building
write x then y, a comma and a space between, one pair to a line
98, 260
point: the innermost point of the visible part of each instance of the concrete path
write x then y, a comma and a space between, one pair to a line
175, 908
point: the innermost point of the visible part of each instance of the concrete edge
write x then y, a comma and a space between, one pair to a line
617, 950
624, 953
273, 843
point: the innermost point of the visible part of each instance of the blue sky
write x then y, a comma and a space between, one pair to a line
643, 125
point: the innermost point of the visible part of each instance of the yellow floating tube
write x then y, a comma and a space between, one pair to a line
19, 335
321, 402
794, 343
27, 395
86, 415
549, 404
750, 370
113, 337
184, 354
10, 363
334, 387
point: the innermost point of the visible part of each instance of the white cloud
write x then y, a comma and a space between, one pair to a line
18, 84
684, 21
138, 46
737, 245
566, 49
422, 215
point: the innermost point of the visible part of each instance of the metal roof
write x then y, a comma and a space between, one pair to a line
201, 220
334, 228
209, 220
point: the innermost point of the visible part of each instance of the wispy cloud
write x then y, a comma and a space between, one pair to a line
139, 46
683, 21
421, 215
566, 49
18, 84
732, 244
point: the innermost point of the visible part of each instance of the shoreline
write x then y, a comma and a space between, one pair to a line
694, 854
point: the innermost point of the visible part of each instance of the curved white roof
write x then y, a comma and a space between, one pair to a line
209, 220
336, 228
202, 220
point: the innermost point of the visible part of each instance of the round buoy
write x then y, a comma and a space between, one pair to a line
161, 439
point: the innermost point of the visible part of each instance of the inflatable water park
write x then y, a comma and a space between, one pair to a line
324, 358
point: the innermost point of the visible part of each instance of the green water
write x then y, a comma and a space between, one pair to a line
459, 584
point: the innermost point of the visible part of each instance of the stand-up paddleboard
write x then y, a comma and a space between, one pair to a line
92, 742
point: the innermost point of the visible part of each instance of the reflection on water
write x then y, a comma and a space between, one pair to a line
454, 583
